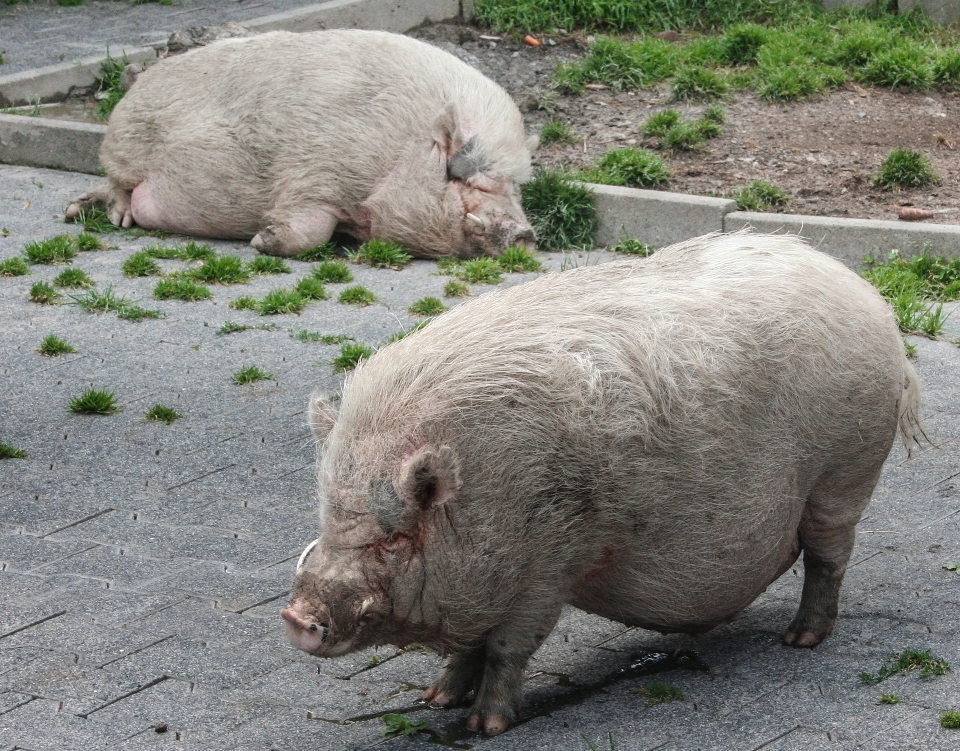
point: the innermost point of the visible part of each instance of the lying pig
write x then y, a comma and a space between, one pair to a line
653, 441
287, 137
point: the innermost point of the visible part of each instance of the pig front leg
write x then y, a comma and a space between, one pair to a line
288, 233
110, 197
508, 648
461, 674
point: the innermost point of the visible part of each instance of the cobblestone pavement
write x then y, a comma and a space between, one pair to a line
142, 565
38, 33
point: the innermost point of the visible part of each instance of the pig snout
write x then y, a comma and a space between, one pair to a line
520, 235
303, 630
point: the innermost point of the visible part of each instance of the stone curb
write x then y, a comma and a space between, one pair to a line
55, 144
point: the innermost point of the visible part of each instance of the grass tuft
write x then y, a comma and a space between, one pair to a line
620, 65
332, 272
135, 313
310, 288
11, 452
759, 196
517, 259
350, 355
554, 131
193, 251
427, 306
96, 220
946, 67
229, 327
629, 246
319, 253
159, 413
87, 242
906, 661
699, 83
916, 290
221, 270
244, 303
453, 288
479, 271
164, 252
634, 168
659, 693
381, 254
281, 302
950, 720
658, 125
94, 402
357, 295
313, 336
73, 279
43, 294
267, 265
140, 264
905, 169
107, 301
54, 346
59, 249
561, 211
13, 267
109, 92
888, 699
180, 288
251, 374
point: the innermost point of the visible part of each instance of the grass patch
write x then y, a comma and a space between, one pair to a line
319, 253
629, 246
357, 295
193, 251
180, 288
159, 413
759, 196
251, 374
221, 270
916, 290
950, 720
262, 265
11, 452
453, 288
905, 169
517, 259
229, 327
107, 301
244, 303
946, 67
888, 699
281, 302
382, 254
54, 346
905, 64
73, 279
427, 306
659, 692
634, 168
658, 125
140, 264
398, 724
479, 271
561, 212
310, 288
135, 314
109, 92
94, 402
905, 662
96, 220
699, 83
14, 267
620, 65
59, 249
164, 252
43, 294
554, 131
332, 272
313, 336
350, 355
87, 242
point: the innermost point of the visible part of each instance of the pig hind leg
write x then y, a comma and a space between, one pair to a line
827, 534
109, 197
289, 233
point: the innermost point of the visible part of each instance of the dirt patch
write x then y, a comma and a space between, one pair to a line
822, 151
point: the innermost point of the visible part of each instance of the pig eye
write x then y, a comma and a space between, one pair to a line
305, 554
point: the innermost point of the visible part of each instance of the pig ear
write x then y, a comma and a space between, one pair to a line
322, 416
469, 160
429, 477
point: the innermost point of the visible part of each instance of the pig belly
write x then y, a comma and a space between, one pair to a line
157, 209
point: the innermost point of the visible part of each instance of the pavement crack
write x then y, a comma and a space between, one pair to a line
35, 623
775, 738
144, 687
200, 477
136, 651
263, 602
84, 520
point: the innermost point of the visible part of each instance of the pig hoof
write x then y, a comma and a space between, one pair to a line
802, 639
491, 725
440, 699
257, 242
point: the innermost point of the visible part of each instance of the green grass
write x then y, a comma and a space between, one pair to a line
357, 295
658, 125
267, 265
87, 242
53, 346
140, 264
135, 314
659, 693
221, 270
180, 288
43, 294
686, 136
251, 374
59, 249
888, 699
950, 720
479, 271
281, 302
244, 303
741, 42
313, 336
427, 306
310, 288
517, 259
905, 662
164, 252
229, 327
332, 272
629, 246
698, 83
561, 212
633, 168
916, 290
714, 114
903, 168
382, 254
94, 402
159, 413
350, 354
11, 452
107, 301
109, 92
13, 267
946, 67
192, 251
96, 220
398, 724
905, 64
453, 288
759, 196
73, 279
620, 65
554, 131
319, 253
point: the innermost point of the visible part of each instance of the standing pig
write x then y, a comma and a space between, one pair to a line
287, 137
653, 441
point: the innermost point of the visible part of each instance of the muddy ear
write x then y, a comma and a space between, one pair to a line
322, 416
429, 477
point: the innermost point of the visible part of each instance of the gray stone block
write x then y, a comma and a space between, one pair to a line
656, 217
941, 11
56, 144
851, 240
360, 14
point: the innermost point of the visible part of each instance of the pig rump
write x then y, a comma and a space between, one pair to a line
654, 441
285, 138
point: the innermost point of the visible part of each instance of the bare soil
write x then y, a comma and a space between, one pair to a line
821, 151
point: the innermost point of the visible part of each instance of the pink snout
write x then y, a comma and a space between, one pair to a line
304, 632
